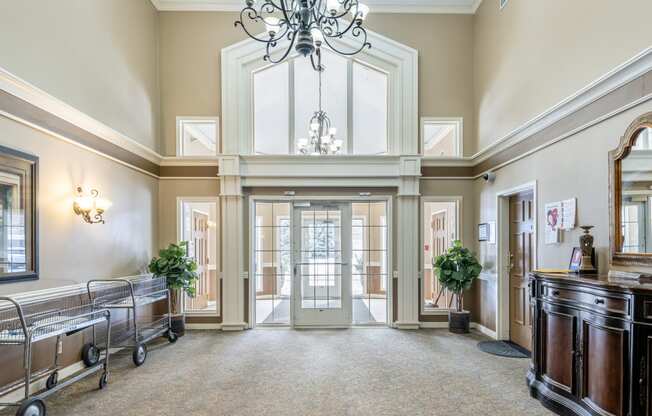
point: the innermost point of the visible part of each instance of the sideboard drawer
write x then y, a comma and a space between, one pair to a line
608, 303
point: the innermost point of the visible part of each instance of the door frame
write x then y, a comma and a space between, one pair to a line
502, 252
218, 247
253, 199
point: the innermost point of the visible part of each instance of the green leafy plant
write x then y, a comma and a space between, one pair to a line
456, 269
180, 271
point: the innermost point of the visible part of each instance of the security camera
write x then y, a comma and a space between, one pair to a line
489, 177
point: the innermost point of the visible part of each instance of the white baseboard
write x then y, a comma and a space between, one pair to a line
407, 325
484, 330
431, 325
234, 327
203, 326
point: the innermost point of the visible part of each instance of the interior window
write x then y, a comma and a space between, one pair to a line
369, 110
442, 138
197, 137
272, 110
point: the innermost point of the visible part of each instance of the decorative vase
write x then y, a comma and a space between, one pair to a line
586, 245
459, 322
179, 325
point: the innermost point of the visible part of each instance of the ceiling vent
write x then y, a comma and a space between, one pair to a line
503, 3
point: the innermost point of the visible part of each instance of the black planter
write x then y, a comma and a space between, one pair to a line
179, 325
458, 322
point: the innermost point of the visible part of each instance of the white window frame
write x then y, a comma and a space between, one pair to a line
400, 62
179, 128
459, 136
459, 200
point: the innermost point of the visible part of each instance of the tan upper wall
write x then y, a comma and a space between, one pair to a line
534, 53
99, 56
191, 43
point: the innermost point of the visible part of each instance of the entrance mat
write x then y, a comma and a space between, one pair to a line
503, 349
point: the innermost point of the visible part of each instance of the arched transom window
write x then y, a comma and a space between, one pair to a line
354, 95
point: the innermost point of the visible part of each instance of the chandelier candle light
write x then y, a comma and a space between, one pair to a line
305, 24
322, 139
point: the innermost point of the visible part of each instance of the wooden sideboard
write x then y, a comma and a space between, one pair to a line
592, 345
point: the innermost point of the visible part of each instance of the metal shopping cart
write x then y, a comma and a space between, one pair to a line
132, 294
30, 319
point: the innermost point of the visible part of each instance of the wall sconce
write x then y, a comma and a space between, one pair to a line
90, 207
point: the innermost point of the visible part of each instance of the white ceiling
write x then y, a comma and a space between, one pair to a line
378, 6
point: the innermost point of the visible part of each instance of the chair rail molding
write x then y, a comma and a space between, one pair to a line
241, 59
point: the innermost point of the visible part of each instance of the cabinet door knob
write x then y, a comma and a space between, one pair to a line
555, 293
599, 301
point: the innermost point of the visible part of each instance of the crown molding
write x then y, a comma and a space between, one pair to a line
377, 6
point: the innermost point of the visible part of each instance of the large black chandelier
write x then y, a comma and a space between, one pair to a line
306, 25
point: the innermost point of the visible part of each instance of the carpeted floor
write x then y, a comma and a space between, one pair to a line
288, 372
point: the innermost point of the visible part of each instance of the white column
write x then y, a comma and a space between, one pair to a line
232, 245
408, 243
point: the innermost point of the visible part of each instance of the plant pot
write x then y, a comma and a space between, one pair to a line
458, 322
179, 324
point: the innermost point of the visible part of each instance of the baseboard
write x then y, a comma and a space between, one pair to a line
203, 326
234, 327
407, 325
484, 330
431, 325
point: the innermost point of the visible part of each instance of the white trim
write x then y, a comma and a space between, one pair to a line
612, 80
502, 252
39, 385
434, 325
473, 325
483, 330
458, 122
399, 61
28, 92
179, 136
202, 327
377, 6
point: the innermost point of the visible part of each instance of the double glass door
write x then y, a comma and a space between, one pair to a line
322, 264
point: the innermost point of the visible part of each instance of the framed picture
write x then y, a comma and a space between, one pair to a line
483, 232
576, 260
18, 216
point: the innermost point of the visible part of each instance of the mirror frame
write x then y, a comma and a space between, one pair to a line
615, 198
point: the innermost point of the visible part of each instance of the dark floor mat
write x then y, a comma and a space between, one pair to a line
503, 349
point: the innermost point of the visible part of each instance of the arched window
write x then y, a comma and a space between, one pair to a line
354, 95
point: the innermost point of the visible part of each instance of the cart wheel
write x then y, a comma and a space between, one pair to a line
140, 354
90, 354
31, 407
52, 380
104, 380
171, 336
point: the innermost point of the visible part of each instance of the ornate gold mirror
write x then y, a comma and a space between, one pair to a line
630, 196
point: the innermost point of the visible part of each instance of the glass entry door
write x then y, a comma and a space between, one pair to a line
322, 264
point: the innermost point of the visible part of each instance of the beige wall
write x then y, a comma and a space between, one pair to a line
99, 56
533, 54
191, 43
71, 251
573, 168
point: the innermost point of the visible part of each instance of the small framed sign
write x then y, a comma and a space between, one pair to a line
483, 232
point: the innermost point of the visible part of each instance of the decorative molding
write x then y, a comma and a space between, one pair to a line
484, 330
377, 6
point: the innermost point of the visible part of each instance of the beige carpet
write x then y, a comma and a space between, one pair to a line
285, 372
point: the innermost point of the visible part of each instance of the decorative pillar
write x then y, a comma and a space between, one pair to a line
408, 243
232, 245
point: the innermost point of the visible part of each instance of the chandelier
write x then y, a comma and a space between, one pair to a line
306, 25
321, 133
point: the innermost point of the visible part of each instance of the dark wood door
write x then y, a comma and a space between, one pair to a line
604, 363
521, 248
558, 328
642, 387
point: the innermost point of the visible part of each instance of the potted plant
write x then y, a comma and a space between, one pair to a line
179, 270
456, 269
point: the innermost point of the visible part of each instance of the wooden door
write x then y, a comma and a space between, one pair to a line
440, 239
558, 327
521, 248
200, 253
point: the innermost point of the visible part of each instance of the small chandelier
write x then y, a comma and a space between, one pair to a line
321, 133
305, 24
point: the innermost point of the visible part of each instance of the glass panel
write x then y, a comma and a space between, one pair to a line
369, 262
334, 93
198, 137
369, 110
271, 110
199, 228
439, 232
12, 225
440, 139
273, 257
321, 259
